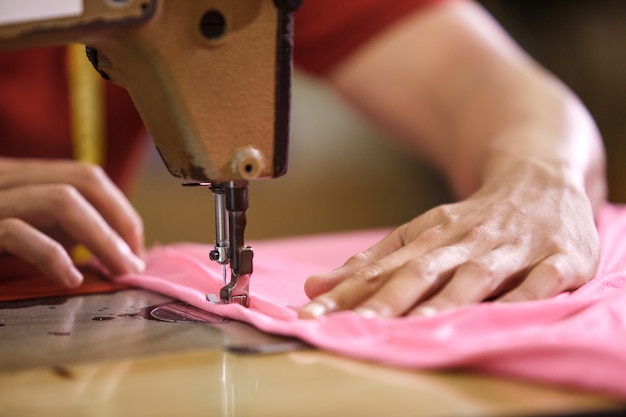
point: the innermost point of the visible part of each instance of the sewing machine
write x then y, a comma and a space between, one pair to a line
210, 79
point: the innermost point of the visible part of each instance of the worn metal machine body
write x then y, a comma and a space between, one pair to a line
210, 79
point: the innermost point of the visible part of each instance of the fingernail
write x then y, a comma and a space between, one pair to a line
368, 313
75, 278
135, 263
312, 311
426, 311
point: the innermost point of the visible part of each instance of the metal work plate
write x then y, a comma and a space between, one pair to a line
179, 312
97, 327
238, 337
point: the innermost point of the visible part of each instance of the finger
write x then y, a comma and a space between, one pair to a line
416, 280
477, 279
421, 234
318, 284
347, 288
26, 242
424, 275
63, 206
355, 288
351, 291
550, 277
111, 203
90, 180
411, 278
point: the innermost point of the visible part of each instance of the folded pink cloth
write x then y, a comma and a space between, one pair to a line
576, 339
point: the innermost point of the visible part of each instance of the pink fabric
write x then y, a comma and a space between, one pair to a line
576, 339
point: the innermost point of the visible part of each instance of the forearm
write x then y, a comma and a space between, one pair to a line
453, 87
567, 153
514, 115
518, 148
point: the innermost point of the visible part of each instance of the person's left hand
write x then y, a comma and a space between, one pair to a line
529, 234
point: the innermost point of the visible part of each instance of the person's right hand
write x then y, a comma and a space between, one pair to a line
47, 207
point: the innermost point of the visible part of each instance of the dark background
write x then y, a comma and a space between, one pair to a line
584, 43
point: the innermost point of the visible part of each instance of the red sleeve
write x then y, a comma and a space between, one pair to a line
327, 31
35, 119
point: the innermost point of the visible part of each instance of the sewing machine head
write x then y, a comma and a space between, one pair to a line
211, 80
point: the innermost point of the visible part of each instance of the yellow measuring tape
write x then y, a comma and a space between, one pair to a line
86, 98
86, 93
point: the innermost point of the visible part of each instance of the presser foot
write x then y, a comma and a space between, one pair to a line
235, 292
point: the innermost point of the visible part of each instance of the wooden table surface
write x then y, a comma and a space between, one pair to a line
103, 355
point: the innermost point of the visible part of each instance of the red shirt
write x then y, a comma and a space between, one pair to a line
327, 31
34, 115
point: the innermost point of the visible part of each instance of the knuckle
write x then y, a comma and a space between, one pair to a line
88, 174
483, 272
10, 229
428, 236
62, 196
553, 269
424, 269
368, 272
557, 274
485, 268
358, 258
480, 232
520, 240
370, 276
446, 214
